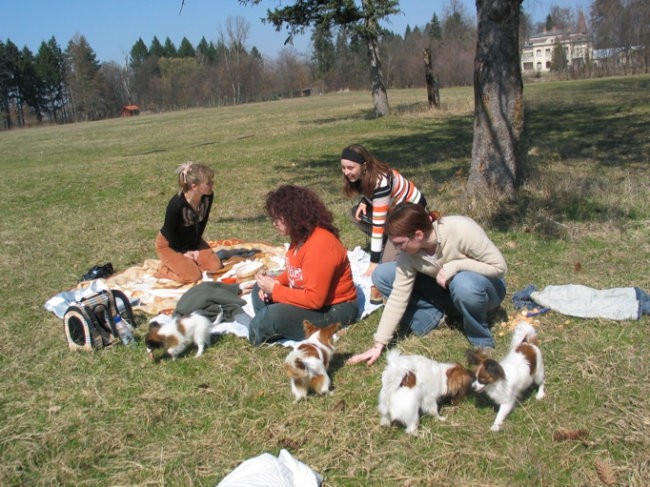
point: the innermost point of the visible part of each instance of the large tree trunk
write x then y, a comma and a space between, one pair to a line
379, 95
498, 102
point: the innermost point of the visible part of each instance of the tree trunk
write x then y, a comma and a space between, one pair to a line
379, 95
433, 91
498, 102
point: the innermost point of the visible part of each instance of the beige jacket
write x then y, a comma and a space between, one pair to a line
462, 246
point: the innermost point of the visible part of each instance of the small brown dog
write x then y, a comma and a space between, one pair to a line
308, 362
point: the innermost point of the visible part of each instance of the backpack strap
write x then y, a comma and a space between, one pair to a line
80, 331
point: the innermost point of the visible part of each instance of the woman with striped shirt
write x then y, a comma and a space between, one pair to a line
381, 188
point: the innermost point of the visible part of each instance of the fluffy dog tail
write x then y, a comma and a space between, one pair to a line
296, 368
524, 333
398, 372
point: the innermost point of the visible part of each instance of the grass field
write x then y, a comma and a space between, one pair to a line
85, 194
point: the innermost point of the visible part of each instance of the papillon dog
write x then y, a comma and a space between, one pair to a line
307, 364
177, 335
506, 381
413, 383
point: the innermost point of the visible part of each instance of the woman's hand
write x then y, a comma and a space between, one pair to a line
441, 279
370, 356
192, 254
370, 269
362, 208
265, 283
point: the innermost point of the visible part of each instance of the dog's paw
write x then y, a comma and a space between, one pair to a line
412, 430
495, 428
385, 421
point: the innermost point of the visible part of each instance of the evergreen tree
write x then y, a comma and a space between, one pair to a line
169, 49
6, 83
156, 48
433, 28
139, 53
186, 49
50, 67
323, 45
559, 61
31, 86
83, 69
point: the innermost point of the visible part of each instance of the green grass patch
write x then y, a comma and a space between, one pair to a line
85, 194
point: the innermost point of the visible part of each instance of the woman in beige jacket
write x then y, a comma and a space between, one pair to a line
447, 264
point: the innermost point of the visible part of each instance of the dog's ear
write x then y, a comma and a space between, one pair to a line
309, 328
494, 369
154, 325
474, 356
330, 330
459, 383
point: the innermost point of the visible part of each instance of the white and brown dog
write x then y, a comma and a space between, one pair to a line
177, 335
413, 383
307, 364
506, 381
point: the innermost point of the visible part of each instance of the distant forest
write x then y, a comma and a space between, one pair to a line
58, 85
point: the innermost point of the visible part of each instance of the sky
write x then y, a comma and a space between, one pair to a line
112, 27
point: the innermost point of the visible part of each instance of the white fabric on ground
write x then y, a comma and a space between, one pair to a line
586, 302
266, 470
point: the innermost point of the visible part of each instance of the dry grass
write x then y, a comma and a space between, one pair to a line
78, 195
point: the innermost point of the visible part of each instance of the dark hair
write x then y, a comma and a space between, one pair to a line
407, 218
301, 209
373, 170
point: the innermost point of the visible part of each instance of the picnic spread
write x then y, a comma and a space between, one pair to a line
159, 297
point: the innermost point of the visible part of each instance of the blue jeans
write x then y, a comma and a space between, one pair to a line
275, 321
470, 294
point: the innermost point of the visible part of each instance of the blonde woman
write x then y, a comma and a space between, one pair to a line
183, 253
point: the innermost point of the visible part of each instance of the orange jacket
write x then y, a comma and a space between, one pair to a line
317, 274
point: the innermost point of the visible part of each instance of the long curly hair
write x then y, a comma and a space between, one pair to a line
300, 209
373, 170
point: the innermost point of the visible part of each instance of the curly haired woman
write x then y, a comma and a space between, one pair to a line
316, 284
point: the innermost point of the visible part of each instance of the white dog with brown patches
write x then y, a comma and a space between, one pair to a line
177, 335
413, 383
308, 362
505, 382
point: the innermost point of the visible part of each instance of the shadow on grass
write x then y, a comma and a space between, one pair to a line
575, 133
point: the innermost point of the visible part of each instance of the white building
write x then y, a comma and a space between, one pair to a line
537, 53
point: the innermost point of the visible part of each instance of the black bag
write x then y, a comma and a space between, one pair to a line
90, 323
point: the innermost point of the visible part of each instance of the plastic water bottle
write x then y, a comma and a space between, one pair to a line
124, 330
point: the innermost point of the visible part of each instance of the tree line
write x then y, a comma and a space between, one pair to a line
67, 85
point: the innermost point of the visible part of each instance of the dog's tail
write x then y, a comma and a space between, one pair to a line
398, 372
296, 368
524, 333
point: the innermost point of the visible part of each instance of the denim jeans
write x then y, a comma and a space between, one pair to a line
275, 321
470, 294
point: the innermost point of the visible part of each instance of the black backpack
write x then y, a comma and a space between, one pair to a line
90, 323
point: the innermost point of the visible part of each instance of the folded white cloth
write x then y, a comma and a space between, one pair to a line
266, 470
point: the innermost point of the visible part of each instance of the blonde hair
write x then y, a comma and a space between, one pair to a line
190, 173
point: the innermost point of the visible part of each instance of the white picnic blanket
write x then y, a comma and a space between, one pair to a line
143, 289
